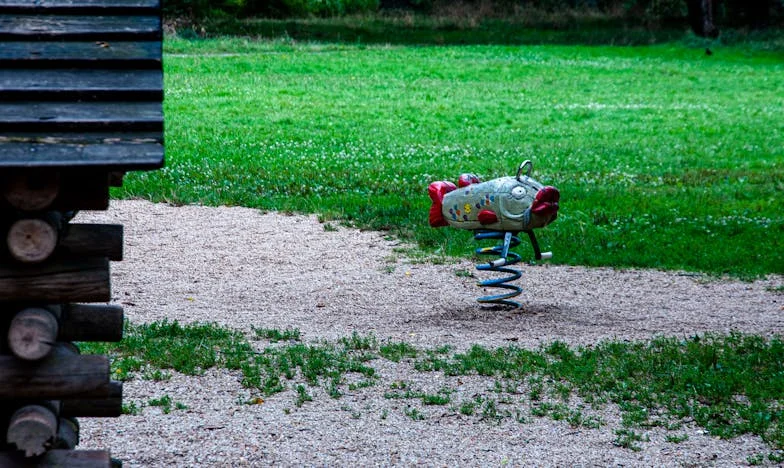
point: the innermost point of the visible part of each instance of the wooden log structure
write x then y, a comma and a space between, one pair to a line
92, 240
63, 374
91, 322
31, 332
81, 90
37, 238
77, 190
70, 280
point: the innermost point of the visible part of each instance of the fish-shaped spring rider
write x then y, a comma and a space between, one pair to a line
497, 209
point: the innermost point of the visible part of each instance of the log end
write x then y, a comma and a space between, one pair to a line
31, 240
31, 191
32, 333
32, 430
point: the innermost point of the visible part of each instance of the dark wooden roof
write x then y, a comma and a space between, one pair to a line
81, 84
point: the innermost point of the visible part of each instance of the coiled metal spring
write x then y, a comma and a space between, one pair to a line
502, 264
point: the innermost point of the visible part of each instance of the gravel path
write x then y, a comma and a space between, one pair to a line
242, 268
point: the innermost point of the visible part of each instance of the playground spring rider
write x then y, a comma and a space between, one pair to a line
497, 209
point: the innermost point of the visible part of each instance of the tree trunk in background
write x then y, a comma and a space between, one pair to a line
701, 18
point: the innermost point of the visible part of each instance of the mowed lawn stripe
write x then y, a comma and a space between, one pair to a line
665, 157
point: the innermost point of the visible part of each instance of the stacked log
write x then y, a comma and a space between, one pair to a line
81, 90
49, 268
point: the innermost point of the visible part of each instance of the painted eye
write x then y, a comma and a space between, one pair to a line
518, 192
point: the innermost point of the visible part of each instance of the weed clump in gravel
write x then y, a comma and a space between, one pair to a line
728, 384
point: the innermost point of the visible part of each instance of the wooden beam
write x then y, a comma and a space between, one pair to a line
58, 377
80, 6
80, 116
77, 280
92, 240
91, 322
18, 27
120, 156
92, 138
81, 85
93, 54
45, 4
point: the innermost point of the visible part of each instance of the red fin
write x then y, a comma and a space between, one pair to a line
437, 190
487, 217
467, 179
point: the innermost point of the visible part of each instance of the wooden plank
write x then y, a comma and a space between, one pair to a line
92, 240
81, 85
98, 28
115, 54
21, 80
125, 156
80, 6
59, 138
153, 4
58, 458
57, 377
81, 116
72, 280
91, 322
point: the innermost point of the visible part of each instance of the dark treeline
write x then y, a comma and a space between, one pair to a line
752, 14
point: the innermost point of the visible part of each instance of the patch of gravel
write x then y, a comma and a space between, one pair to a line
242, 268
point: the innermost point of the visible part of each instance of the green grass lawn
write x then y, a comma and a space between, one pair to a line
665, 157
